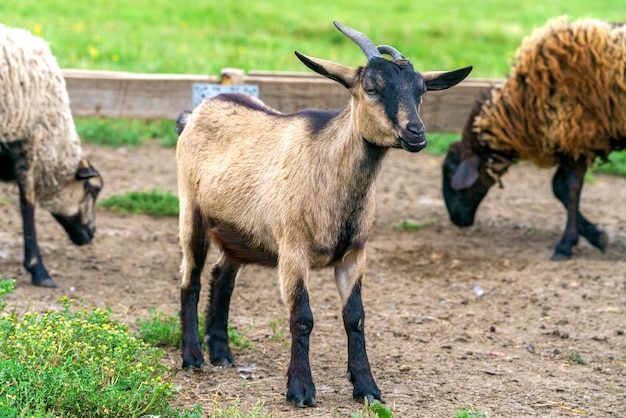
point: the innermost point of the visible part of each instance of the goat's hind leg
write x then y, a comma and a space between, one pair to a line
216, 326
195, 246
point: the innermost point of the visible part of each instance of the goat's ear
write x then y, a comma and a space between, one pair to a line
345, 76
85, 170
441, 80
466, 174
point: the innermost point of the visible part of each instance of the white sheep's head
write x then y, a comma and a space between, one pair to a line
386, 94
74, 206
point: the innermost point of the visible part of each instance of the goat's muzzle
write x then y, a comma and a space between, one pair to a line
413, 140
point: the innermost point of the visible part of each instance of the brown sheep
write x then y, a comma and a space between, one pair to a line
294, 192
563, 104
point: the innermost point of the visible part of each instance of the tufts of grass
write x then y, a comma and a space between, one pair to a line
277, 334
79, 364
375, 410
234, 411
576, 358
408, 226
152, 203
164, 330
117, 133
469, 412
161, 330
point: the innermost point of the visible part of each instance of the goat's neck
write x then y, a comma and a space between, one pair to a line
357, 160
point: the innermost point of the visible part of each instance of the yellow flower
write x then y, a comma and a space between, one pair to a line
93, 51
115, 58
37, 29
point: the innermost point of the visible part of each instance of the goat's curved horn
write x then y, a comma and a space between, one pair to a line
361, 40
387, 49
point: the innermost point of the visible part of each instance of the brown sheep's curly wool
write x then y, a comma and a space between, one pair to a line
566, 94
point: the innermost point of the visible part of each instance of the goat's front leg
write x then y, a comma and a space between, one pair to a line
294, 277
32, 257
216, 326
567, 184
349, 274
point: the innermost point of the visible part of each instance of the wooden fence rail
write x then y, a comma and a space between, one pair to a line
163, 96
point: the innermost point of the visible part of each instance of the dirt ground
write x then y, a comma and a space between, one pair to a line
477, 316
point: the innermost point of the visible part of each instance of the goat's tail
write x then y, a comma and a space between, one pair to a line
181, 121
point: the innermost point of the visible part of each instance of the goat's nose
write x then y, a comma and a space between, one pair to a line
416, 129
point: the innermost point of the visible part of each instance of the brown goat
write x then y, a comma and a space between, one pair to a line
563, 104
294, 192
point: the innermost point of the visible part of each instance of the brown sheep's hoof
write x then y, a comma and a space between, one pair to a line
46, 283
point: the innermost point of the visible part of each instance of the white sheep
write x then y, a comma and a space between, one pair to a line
39, 146
294, 192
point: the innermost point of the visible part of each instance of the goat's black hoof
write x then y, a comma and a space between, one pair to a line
45, 283
560, 257
193, 369
305, 403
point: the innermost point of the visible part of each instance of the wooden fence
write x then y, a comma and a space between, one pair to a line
163, 96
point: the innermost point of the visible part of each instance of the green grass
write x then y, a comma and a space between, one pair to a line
152, 203
78, 363
469, 412
199, 37
117, 133
164, 330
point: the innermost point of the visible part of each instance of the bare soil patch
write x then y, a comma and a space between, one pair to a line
477, 316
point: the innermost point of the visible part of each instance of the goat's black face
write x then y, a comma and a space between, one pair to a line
465, 184
394, 90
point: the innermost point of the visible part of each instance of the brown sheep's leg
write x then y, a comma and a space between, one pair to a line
216, 326
348, 274
195, 246
569, 178
32, 257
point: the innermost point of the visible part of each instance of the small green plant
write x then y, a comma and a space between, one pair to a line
79, 364
236, 338
6, 286
375, 410
164, 330
153, 203
160, 330
408, 226
469, 412
277, 334
234, 411
576, 358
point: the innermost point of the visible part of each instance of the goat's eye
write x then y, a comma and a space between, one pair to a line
370, 91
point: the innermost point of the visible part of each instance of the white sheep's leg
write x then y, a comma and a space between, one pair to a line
32, 257
216, 324
195, 245
562, 182
348, 275
293, 277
